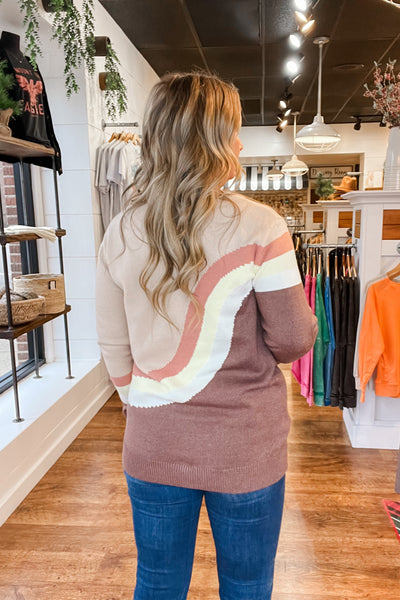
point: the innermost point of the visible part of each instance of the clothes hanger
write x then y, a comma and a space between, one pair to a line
114, 136
336, 264
314, 263
319, 261
348, 264
327, 266
393, 273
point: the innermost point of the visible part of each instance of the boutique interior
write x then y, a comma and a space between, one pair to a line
319, 149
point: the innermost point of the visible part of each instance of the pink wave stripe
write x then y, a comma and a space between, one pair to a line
121, 381
226, 264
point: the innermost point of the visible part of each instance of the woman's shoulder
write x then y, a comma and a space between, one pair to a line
258, 220
124, 232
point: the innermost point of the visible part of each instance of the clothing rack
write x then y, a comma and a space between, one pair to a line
311, 231
330, 245
104, 124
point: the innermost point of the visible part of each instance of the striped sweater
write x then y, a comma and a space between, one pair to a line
206, 401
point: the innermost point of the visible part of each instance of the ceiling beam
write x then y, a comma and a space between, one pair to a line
194, 33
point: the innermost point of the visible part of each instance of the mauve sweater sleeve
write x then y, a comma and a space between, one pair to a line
289, 326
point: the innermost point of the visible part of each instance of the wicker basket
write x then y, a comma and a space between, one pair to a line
50, 286
22, 311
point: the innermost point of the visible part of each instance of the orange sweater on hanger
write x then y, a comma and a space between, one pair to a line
379, 344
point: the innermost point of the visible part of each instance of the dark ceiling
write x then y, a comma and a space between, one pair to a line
247, 41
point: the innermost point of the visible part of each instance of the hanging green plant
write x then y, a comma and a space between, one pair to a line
88, 36
29, 9
66, 30
116, 93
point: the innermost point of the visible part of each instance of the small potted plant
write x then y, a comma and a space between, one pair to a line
114, 85
324, 187
8, 106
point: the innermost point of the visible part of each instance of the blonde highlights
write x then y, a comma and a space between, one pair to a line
191, 120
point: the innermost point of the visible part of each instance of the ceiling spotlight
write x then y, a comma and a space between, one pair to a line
301, 17
283, 104
307, 26
357, 124
318, 136
301, 4
295, 40
287, 112
290, 79
275, 174
292, 67
293, 64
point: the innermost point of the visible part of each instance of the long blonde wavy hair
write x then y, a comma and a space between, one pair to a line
191, 120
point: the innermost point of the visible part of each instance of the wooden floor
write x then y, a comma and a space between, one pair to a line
71, 538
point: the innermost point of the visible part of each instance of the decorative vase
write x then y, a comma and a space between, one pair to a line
391, 173
4, 119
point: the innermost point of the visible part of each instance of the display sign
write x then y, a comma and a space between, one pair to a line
330, 172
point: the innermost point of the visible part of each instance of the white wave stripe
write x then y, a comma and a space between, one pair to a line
211, 349
277, 273
123, 392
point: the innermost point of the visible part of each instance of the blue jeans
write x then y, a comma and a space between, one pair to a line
245, 529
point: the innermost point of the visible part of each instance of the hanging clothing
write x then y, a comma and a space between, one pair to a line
35, 123
116, 164
330, 351
349, 388
320, 346
302, 368
379, 344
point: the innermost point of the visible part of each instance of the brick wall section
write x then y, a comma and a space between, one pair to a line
9, 204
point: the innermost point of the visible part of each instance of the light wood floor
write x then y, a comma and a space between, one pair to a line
71, 538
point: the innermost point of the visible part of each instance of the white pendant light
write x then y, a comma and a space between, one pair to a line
319, 136
294, 167
275, 174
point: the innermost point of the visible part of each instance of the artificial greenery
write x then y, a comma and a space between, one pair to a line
7, 82
116, 94
29, 9
75, 33
88, 36
67, 32
324, 187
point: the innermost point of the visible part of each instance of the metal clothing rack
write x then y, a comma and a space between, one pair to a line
354, 245
311, 231
104, 124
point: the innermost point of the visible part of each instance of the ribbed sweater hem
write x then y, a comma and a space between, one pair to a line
236, 480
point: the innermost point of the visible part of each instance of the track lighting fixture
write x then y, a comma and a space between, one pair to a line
284, 100
282, 121
307, 26
292, 66
296, 40
301, 4
281, 126
300, 16
357, 124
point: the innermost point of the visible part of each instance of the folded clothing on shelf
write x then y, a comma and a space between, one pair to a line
44, 232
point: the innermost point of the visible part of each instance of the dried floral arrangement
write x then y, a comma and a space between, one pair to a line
386, 93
